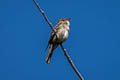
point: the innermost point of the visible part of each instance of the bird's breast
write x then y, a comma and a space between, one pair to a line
62, 35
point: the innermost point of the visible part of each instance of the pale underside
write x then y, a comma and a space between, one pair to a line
62, 33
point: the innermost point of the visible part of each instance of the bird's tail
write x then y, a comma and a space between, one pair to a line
50, 52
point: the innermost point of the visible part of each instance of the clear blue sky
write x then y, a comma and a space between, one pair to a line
93, 43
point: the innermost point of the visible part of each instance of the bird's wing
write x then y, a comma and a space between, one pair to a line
53, 34
50, 40
51, 37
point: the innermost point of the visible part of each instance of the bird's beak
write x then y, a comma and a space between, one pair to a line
69, 19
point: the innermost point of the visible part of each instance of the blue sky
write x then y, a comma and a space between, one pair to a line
93, 43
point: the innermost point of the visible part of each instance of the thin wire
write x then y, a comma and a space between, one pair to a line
64, 50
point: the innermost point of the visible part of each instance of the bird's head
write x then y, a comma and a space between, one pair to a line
64, 21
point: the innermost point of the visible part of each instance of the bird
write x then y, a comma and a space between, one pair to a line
58, 37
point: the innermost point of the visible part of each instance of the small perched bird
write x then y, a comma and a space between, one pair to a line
62, 31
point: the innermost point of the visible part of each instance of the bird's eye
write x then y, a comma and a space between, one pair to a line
65, 22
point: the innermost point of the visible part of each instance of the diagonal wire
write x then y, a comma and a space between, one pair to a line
64, 50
